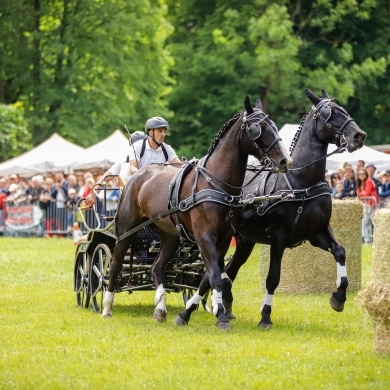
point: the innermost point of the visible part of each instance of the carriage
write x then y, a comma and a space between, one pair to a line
94, 251
195, 211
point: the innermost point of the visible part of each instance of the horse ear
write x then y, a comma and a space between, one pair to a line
313, 98
248, 105
325, 94
258, 104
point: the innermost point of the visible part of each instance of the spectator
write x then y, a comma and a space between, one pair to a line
360, 164
60, 194
13, 179
46, 206
367, 193
81, 185
340, 173
112, 198
349, 183
72, 182
385, 189
3, 199
34, 192
15, 197
334, 178
371, 168
71, 203
339, 190
89, 183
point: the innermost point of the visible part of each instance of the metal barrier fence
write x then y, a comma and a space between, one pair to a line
24, 219
30, 220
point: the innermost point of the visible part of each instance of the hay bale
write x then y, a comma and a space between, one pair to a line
376, 296
381, 250
306, 269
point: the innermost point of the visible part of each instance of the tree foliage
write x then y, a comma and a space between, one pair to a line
225, 49
91, 66
14, 136
83, 68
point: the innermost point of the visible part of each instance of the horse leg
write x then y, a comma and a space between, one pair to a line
272, 282
115, 268
215, 268
326, 241
168, 247
243, 251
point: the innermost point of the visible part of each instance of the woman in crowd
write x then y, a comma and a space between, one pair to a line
366, 192
334, 178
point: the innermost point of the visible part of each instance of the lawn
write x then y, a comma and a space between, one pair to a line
47, 342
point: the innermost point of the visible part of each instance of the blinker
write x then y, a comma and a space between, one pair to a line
254, 131
325, 113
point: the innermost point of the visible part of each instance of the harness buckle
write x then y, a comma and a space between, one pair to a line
300, 209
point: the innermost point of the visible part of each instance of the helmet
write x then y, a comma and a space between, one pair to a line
136, 136
156, 122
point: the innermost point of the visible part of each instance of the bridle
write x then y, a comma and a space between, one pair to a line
254, 130
323, 110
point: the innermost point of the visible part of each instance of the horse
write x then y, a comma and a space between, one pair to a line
302, 216
198, 202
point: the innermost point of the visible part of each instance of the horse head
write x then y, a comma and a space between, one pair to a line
338, 127
262, 137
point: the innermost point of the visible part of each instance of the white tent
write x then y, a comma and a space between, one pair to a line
53, 155
333, 162
104, 153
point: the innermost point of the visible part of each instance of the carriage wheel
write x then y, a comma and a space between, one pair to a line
83, 294
98, 277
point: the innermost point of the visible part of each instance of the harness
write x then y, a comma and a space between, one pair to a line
285, 195
216, 195
164, 150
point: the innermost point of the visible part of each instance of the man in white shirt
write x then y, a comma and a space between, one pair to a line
148, 150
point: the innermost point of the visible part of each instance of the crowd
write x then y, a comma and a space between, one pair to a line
362, 182
52, 199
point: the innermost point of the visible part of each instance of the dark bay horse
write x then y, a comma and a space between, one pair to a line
287, 223
206, 205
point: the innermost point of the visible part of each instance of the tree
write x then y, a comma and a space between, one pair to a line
92, 66
14, 136
225, 49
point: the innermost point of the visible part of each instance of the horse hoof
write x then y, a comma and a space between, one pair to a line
230, 316
106, 315
225, 326
159, 315
180, 322
336, 305
264, 326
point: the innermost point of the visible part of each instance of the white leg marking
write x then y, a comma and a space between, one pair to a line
160, 299
215, 299
196, 298
267, 301
341, 272
107, 304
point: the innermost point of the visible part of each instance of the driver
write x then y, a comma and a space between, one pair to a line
146, 149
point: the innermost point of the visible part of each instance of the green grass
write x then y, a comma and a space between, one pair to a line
47, 342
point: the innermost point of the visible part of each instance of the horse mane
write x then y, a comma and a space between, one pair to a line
223, 130
298, 133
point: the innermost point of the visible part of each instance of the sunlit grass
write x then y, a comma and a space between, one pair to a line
47, 342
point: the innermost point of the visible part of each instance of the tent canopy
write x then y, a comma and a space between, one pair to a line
104, 153
53, 155
335, 161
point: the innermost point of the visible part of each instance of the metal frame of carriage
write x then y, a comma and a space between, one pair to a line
94, 252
